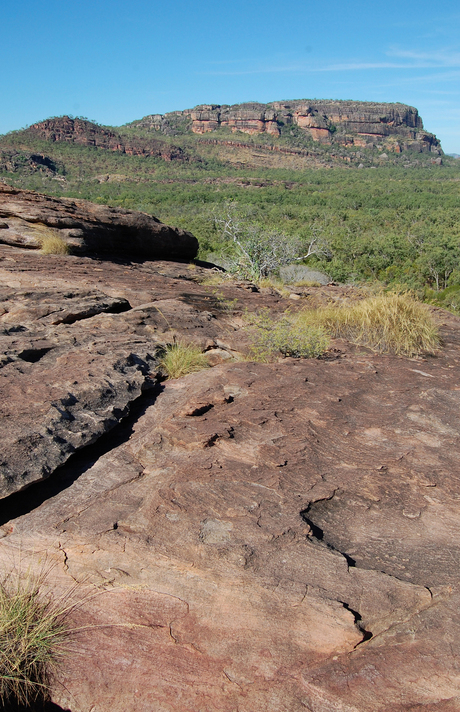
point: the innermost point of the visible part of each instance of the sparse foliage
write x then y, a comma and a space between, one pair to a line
285, 335
254, 252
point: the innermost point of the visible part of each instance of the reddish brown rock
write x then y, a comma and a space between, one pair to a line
88, 228
73, 358
397, 126
260, 536
86, 133
226, 596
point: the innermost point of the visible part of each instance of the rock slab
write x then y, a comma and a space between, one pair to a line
255, 536
28, 217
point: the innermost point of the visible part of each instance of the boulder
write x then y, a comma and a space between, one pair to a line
88, 228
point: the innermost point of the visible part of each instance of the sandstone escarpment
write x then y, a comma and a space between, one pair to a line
85, 133
397, 126
28, 218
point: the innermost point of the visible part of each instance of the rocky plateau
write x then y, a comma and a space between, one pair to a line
397, 127
279, 536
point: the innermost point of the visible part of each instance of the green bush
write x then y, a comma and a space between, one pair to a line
447, 299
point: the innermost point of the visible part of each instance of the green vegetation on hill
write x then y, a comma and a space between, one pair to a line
395, 220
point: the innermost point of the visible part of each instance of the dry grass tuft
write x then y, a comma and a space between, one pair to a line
53, 244
32, 633
389, 323
284, 335
180, 359
215, 279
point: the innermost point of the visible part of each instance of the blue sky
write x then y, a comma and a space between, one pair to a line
115, 61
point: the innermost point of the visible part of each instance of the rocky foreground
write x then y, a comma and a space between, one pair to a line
253, 536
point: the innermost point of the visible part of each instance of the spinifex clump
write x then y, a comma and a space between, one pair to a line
32, 632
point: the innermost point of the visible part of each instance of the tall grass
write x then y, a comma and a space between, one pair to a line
284, 335
389, 323
180, 359
32, 634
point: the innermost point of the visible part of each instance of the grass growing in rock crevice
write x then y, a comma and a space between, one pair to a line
179, 359
53, 244
389, 323
32, 634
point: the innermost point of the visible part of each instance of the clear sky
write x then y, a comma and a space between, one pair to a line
114, 61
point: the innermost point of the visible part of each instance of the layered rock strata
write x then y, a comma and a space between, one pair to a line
86, 133
397, 126
29, 218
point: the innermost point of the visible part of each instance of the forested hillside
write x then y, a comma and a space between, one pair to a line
392, 217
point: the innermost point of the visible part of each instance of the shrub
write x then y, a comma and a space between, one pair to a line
53, 244
447, 299
391, 323
253, 252
302, 275
286, 335
32, 632
180, 359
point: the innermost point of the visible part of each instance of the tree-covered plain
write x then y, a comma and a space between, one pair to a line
398, 223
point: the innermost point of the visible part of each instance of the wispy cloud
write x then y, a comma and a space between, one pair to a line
404, 59
352, 66
339, 67
445, 57
436, 77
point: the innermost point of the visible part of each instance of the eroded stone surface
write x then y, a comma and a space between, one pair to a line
29, 217
260, 536
200, 510
79, 341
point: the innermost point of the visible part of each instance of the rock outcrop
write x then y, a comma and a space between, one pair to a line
27, 218
364, 124
86, 133
26, 162
255, 536
73, 358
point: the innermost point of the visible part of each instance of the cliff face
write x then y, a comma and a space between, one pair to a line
86, 133
396, 126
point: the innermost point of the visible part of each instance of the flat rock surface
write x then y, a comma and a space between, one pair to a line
79, 342
257, 536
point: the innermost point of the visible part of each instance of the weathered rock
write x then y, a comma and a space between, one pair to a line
227, 598
73, 358
262, 536
89, 228
86, 133
346, 122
